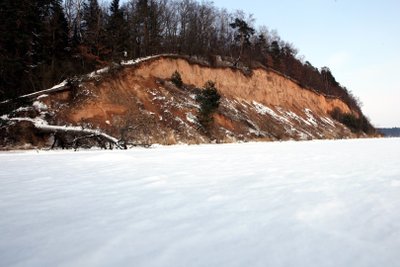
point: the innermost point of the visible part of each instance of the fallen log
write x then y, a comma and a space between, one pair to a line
43, 126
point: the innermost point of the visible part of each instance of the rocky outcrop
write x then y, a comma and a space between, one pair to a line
137, 103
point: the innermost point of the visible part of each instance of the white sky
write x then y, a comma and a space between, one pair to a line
358, 40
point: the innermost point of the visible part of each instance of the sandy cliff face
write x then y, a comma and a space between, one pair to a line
263, 86
140, 105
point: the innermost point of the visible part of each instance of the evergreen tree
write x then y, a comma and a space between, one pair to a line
93, 48
209, 102
177, 79
142, 14
117, 32
276, 54
20, 28
154, 22
261, 48
244, 32
52, 45
275, 49
92, 18
55, 36
147, 24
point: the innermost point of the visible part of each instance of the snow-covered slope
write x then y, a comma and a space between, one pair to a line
316, 203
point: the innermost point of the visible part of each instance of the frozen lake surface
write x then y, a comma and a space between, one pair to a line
317, 203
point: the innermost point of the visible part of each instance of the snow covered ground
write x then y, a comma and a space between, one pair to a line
317, 203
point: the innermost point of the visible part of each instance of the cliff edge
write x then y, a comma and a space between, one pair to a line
136, 103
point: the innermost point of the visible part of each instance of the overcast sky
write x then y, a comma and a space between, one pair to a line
358, 40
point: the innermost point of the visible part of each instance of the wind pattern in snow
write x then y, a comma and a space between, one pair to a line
317, 203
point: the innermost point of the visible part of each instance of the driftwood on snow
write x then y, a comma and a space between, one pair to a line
74, 136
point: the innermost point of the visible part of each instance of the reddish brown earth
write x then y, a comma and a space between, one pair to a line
139, 104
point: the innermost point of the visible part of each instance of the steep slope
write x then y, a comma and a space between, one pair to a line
136, 103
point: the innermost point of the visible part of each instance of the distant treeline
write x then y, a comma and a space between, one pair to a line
389, 132
46, 41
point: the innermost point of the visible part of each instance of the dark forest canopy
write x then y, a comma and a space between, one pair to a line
46, 41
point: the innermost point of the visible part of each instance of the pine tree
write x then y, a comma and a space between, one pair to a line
176, 78
244, 32
52, 44
155, 27
142, 8
93, 48
276, 54
209, 102
56, 34
117, 31
20, 46
148, 22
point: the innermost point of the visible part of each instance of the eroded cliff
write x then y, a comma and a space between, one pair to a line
137, 103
